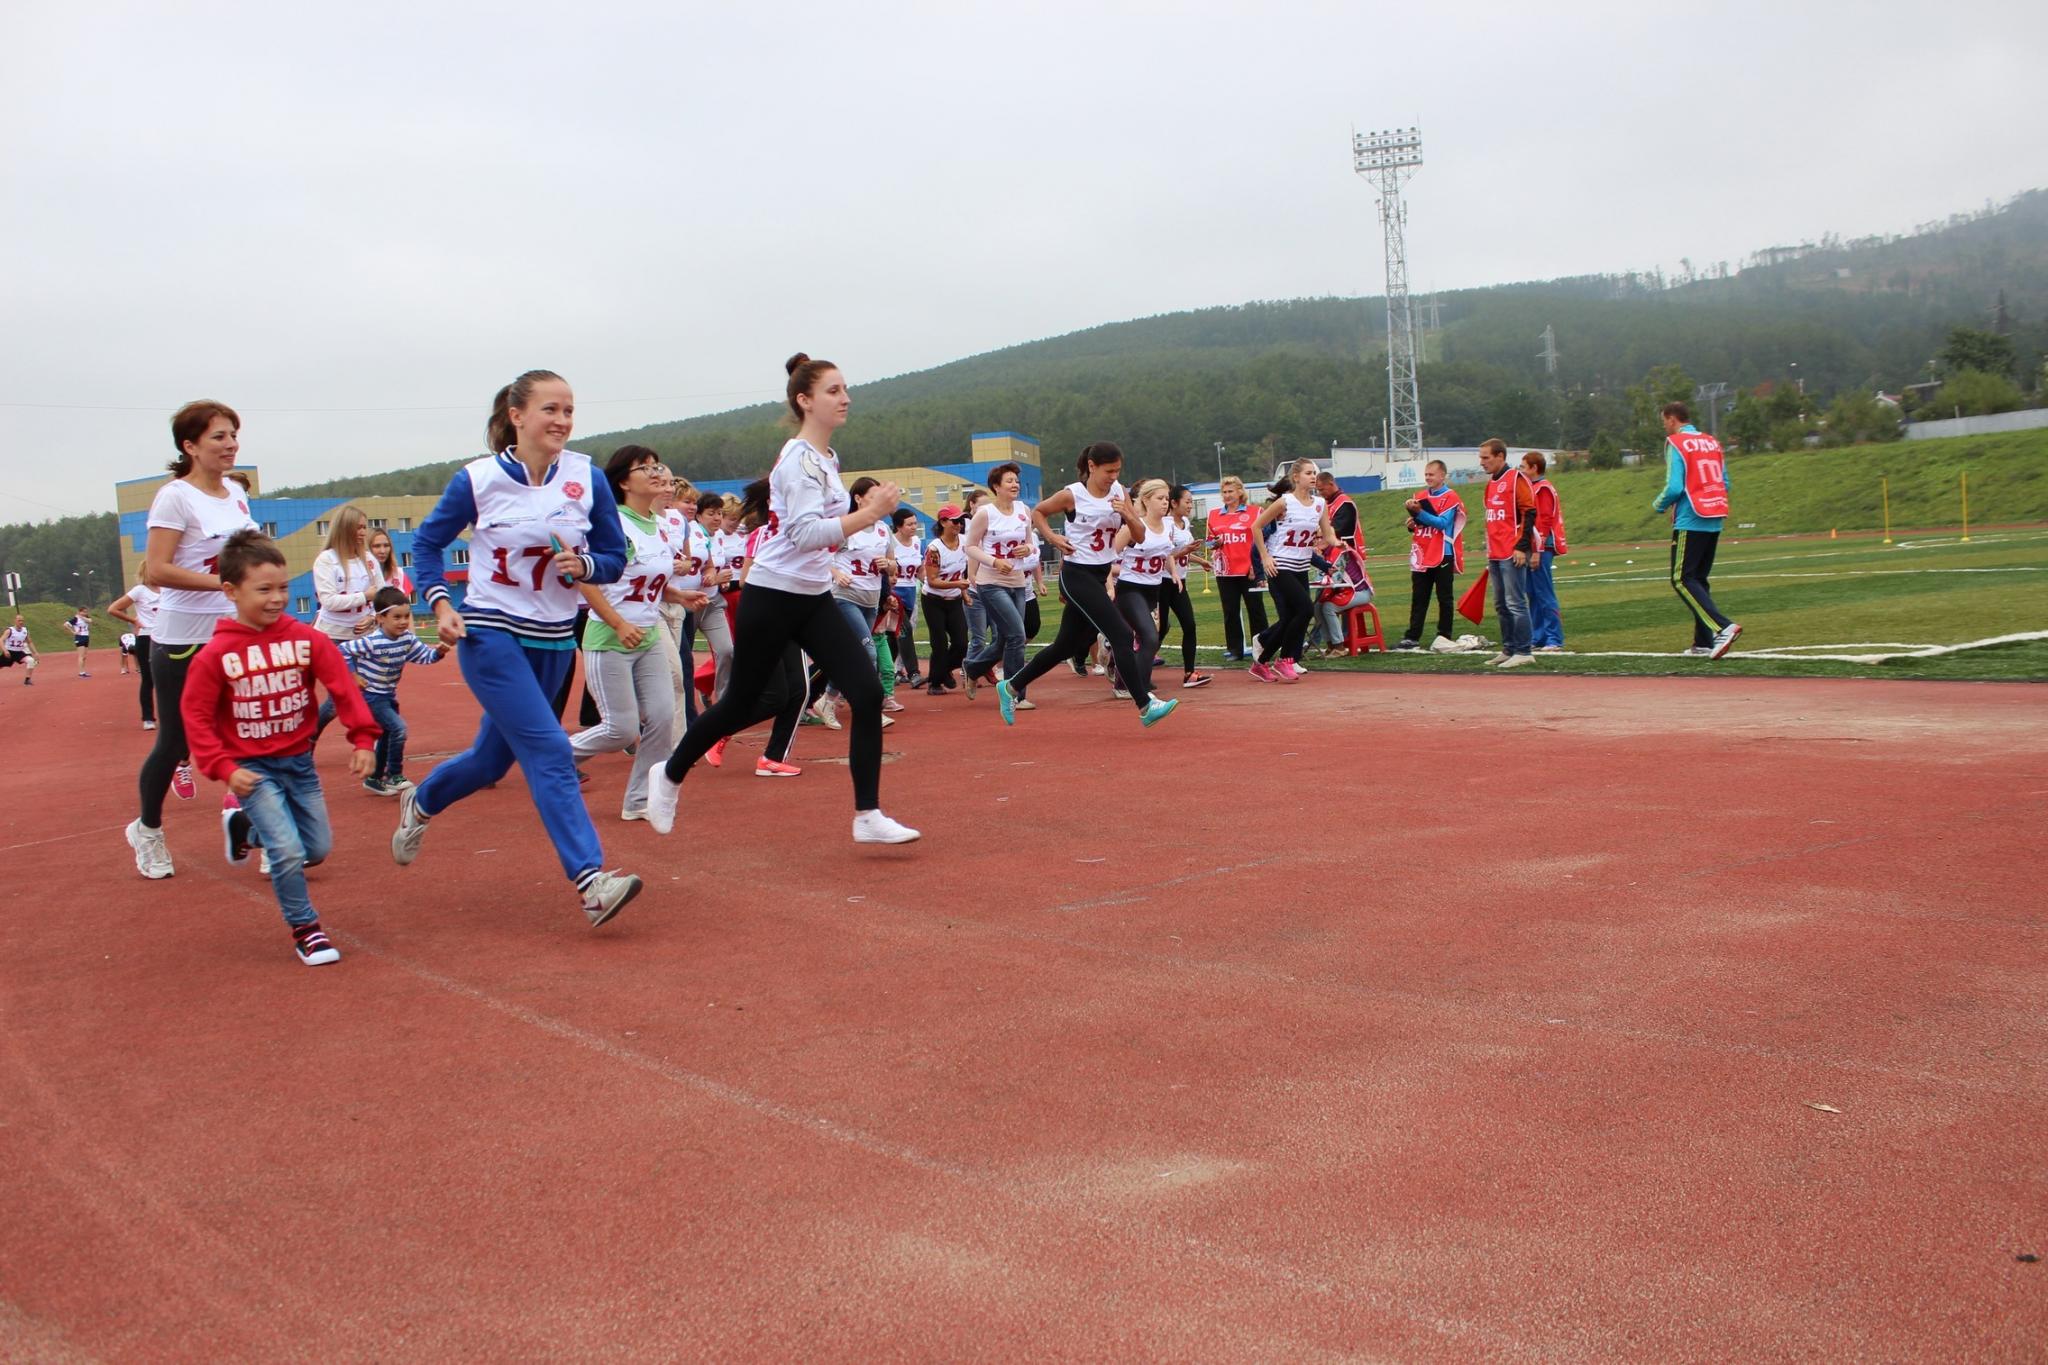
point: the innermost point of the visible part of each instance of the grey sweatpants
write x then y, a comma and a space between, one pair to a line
636, 696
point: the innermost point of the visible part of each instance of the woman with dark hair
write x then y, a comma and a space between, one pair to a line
190, 520
1173, 590
945, 587
788, 600
998, 540
386, 559
540, 523
860, 568
1301, 522
627, 660
907, 547
1095, 508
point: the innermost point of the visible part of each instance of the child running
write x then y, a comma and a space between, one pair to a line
1095, 508
377, 659
248, 709
788, 601
540, 521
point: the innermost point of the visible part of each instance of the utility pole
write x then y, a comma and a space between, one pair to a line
1709, 397
1387, 158
1219, 469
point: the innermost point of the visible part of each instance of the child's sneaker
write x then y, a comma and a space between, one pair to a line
314, 948
768, 767
152, 856
182, 784
375, 786
234, 829
607, 894
412, 828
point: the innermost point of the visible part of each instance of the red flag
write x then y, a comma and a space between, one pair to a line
1472, 606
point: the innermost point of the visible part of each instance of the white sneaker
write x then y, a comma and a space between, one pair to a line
412, 828
1500, 658
149, 725
1119, 694
263, 861
1724, 640
1517, 660
1550, 649
661, 799
873, 827
1026, 705
827, 713
888, 721
152, 856
607, 894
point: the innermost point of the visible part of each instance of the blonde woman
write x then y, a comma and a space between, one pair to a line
346, 578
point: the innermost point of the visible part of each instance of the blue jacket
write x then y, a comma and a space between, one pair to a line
1674, 491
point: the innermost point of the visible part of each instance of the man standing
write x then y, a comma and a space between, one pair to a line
1546, 622
1510, 545
1436, 553
1343, 512
1696, 491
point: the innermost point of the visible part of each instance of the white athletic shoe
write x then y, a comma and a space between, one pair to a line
873, 827
412, 828
1500, 658
1724, 640
827, 713
1026, 705
661, 799
152, 856
263, 862
1517, 661
149, 725
888, 721
607, 894
1550, 649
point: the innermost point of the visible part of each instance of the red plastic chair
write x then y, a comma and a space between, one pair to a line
1359, 636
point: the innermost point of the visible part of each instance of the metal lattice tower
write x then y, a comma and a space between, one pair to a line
1386, 159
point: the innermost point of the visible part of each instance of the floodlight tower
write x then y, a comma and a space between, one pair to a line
1387, 158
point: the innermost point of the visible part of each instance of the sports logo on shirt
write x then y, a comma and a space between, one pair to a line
572, 489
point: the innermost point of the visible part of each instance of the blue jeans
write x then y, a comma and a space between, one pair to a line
515, 685
390, 745
1511, 600
1546, 623
862, 619
1004, 610
288, 820
977, 624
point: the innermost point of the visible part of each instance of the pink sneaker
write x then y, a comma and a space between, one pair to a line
1286, 670
182, 783
768, 767
1263, 673
716, 756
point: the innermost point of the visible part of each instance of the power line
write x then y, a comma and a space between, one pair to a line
429, 407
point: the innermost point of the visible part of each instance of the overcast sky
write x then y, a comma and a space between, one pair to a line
354, 222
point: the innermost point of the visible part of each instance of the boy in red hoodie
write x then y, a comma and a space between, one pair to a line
249, 716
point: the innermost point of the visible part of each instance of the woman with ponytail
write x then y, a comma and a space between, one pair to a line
541, 521
788, 600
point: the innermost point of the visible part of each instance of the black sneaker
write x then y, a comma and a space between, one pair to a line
234, 829
1080, 667
1405, 643
314, 948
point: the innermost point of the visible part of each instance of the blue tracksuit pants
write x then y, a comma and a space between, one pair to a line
516, 685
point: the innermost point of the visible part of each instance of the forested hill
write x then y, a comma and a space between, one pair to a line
1273, 379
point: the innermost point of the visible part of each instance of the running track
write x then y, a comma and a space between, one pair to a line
1419, 1018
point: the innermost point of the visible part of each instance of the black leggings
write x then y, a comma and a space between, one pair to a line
1138, 604
167, 667
142, 666
1438, 580
1173, 597
1236, 588
1283, 639
1031, 621
945, 622
1088, 612
773, 624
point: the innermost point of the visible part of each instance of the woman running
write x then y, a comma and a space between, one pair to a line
540, 522
1173, 590
1095, 508
138, 609
190, 519
1144, 559
345, 577
1301, 522
629, 662
908, 548
945, 586
386, 559
788, 601
998, 540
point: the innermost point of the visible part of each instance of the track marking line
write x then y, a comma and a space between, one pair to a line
1141, 893
60, 838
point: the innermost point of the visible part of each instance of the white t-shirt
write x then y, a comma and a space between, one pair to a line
650, 559
1144, 561
1092, 525
203, 523
909, 559
729, 552
1005, 538
143, 599
951, 562
1297, 532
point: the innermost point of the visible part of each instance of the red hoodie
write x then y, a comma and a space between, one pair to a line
249, 694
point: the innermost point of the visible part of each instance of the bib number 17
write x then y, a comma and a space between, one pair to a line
539, 557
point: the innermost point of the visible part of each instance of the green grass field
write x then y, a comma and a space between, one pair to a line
1854, 596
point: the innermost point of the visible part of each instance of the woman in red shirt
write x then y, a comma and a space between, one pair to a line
1230, 544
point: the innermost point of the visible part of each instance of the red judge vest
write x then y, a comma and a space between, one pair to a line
1549, 517
1706, 469
1503, 528
1427, 549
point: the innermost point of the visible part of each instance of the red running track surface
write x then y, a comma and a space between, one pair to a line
1150, 1049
